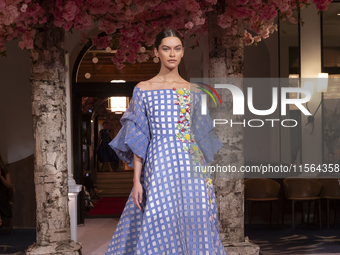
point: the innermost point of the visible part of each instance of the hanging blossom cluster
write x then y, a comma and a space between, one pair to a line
139, 21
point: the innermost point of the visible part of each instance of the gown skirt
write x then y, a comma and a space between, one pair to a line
179, 214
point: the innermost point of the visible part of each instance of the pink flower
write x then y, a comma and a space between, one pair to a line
83, 38
265, 34
143, 57
293, 20
23, 8
83, 21
102, 42
234, 30
189, 25
241, 2
224, 20
192, 6
10, 13
257, 38
242, 12
67, 26
107, 26
27, 40
272, 28
212, 2
288, 13
131, 58
248, 39
268, 12
321, 7
256, 4
71, 10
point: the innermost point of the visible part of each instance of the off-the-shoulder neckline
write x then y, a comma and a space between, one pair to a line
164, 89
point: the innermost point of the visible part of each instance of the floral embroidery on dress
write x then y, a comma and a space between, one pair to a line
184, 100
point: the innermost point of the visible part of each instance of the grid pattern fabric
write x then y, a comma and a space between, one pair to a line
178, 216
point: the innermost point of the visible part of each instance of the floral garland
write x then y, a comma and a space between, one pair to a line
184, 100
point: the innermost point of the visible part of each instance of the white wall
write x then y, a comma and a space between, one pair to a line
16, 125
16, 130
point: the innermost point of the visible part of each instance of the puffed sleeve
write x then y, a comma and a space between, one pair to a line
134, 136
202, 128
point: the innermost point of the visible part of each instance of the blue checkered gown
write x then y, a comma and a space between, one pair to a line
178, 216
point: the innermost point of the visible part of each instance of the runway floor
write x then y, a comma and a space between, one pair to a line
96, 234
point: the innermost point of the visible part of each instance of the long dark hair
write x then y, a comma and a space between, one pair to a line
168, 32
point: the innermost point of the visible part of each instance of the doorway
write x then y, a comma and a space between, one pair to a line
94, 80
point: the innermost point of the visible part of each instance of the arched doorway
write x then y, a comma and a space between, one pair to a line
98, 79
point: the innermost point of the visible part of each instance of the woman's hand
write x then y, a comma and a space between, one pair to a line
137, 194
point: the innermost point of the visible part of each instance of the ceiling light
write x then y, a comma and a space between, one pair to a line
95, 60
117, 81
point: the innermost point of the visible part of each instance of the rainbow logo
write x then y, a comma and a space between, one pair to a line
210, 93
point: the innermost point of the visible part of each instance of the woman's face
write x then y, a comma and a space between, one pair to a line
170, 49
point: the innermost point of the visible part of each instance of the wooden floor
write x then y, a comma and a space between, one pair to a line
115, 184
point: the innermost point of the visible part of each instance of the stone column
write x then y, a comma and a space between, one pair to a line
226, 54
49, 129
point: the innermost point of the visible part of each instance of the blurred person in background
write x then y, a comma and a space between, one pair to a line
105, 152
5, 185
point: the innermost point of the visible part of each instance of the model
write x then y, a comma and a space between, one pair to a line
162, 137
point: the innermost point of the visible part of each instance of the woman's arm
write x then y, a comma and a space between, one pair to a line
7, 181
138, 162
137, 193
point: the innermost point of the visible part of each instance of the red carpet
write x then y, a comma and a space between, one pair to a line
108, 205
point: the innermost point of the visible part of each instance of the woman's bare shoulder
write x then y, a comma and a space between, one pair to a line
143, 85
150, 84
